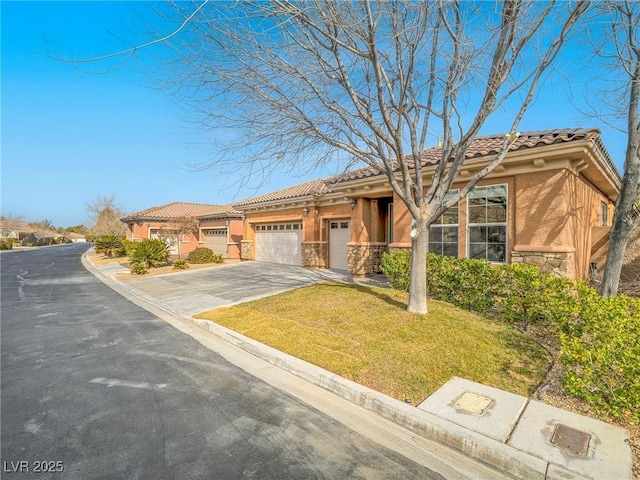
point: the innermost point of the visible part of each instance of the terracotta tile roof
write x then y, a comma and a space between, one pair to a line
312, 188
483, 146
180, 209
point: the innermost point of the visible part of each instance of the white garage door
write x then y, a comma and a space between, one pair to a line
216, 240
279, 243
339, 236
172, 243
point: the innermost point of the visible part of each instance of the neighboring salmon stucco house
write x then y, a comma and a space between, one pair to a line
550, 204
218, 227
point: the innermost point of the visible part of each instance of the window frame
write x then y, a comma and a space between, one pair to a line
504, 224
442, 226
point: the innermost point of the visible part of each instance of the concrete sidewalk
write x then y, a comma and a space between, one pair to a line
518, 436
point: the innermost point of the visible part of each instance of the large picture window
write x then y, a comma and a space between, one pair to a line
487, 207
443, 233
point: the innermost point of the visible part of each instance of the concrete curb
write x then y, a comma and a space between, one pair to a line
505, 458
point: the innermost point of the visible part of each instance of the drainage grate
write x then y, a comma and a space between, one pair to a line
570, 439
473, 403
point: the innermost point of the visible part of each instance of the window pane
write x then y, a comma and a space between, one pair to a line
477, 250
450, 249
435, 234
495, 253
496, 193
450, 216
450, 234
478, 234
435, 247
496, 213
496, 234
478, 214
477, 196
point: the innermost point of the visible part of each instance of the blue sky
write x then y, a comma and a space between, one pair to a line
69, 136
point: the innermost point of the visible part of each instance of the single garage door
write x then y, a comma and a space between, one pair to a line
172, 243
279, 243
339, 236
216, 240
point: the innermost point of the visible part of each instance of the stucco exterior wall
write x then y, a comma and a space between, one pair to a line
234, 233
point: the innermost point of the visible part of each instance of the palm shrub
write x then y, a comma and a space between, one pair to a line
129, 247
109, 245
180, 264
138, 268
150, 253
204, 255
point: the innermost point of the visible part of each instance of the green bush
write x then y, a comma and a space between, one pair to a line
6, 244
600, 348
109, 245
514, 292
396, 267
150, 253
525, 295
204, 255
180, 264
129, 247
138, 268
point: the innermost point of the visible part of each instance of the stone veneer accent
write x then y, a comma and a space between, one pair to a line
246, 250
364, 258
558, 261
314, 254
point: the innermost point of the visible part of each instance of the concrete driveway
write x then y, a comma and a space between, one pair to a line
196, 291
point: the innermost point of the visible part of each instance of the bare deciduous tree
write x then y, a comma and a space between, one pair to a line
297, 84
106, 215
174, 232
304, 82
624, 50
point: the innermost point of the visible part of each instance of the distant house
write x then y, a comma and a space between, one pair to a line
550, 204
75, 237
218, 227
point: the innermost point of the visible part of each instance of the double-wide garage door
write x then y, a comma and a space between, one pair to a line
216, 240
279, 243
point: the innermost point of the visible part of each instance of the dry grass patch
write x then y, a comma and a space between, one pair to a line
366, 335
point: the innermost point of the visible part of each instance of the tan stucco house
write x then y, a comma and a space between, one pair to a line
550, 204
219, 227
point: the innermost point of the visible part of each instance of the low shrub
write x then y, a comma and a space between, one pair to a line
180, 264
525, 295
204, 255
138, 268
396, 267
600, 348
150, 253
6, 244
109, 245
129, 247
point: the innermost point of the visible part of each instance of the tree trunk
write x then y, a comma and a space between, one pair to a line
618, 238
418, 281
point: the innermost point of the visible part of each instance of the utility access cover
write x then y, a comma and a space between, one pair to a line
473, 403
570, 439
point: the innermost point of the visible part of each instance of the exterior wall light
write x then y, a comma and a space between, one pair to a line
353, 203
305, 212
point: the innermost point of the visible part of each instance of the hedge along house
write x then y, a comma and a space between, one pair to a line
549, 204
218, 227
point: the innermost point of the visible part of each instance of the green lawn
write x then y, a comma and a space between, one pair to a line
366, 335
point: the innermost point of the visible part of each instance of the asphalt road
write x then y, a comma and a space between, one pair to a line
97, 387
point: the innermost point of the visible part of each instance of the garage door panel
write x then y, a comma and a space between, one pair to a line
216, 240
339, 236
279, 243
